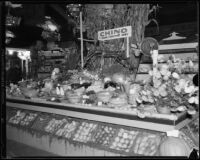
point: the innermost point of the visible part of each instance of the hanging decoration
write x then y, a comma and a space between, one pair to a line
49, 25
50, 29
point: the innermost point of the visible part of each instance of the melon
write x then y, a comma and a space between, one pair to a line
174, 146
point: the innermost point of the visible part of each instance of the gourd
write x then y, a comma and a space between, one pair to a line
174, 146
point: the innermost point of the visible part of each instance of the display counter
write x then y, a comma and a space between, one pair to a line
79, 130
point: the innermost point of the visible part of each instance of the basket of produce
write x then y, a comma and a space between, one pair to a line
73, 97
28, 119
124, 140
84, 132
104, 135
29, 92
68, 129
41, 122
104, 96
22, 84
54, 124
15, 120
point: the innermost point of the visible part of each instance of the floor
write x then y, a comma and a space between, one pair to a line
15, 149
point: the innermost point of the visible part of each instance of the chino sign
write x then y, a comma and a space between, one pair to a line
116, 33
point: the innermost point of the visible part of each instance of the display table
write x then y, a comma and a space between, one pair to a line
97, 117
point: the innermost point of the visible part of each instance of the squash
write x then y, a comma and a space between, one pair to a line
174, 146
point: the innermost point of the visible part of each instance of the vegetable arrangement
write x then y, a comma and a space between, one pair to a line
30, 117
104, 135
54, 125
17, 118
131, 141
68, 129
146, 144
124, 140
41, 121
84, 132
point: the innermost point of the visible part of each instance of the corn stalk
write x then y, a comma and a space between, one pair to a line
135, 15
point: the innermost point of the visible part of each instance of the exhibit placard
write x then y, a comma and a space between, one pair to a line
115, 33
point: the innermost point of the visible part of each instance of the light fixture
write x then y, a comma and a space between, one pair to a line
50, 29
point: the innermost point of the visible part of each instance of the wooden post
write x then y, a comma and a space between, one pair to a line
127, 47
155, 64
81, 32
26, 68
22, 65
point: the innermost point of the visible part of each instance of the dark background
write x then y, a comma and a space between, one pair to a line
169, 14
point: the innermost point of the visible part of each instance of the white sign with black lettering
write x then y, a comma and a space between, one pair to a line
115, 33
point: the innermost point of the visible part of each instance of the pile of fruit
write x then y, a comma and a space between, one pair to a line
54, 125
10, 113
124, 140
68, 129
103, 135
146, 144
40, 122
30, 117
17, 118
13, 90
84, 132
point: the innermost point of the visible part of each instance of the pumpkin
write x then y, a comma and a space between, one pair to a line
174, 146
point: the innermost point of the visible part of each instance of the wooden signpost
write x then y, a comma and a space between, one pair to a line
116, 33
